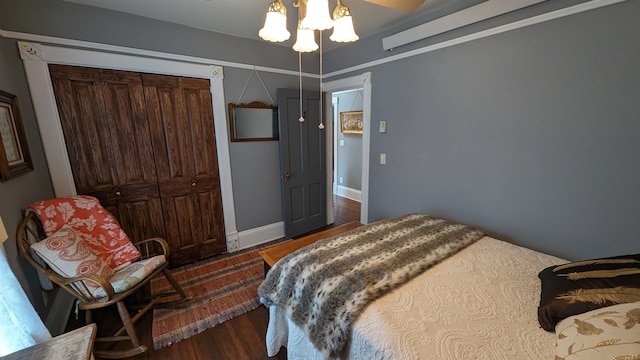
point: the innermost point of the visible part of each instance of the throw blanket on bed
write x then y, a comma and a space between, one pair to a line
326, 285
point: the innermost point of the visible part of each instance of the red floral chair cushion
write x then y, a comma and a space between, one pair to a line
96, 226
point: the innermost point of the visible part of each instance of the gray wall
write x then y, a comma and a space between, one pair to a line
255, 166
349, 156
16, 193
532, 135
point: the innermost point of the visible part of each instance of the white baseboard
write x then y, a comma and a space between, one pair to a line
260, 235
232, 241
58, 316
349, 193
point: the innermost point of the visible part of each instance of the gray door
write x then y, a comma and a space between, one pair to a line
302, 161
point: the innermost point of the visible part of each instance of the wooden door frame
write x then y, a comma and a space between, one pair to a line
36, 58
362, 81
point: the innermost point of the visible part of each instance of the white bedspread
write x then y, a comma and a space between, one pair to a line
481, 303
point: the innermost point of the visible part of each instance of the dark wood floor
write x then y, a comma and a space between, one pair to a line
241, 338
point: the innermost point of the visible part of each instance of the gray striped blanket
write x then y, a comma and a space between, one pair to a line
326, 285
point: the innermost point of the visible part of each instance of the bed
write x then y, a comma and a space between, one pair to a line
480, 302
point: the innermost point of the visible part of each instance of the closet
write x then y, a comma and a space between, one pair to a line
144, 145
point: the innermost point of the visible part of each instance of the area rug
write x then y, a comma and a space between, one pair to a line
220, 288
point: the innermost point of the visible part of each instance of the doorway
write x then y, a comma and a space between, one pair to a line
359, 85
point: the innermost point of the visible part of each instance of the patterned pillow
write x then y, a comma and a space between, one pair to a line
97, 226
608, 333
68, 255
582, 286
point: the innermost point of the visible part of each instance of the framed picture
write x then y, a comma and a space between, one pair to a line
15, 159
351, 122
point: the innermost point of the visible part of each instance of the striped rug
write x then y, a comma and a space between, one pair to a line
220, 288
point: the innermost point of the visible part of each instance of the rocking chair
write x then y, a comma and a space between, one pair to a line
96, 285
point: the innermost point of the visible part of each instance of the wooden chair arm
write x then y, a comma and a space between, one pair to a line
78, 286
147, 249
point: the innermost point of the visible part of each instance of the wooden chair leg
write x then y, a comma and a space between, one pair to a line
88, 316
127, 323
175, 284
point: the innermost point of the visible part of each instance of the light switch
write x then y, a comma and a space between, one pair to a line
383, 159
383, 126
341, 142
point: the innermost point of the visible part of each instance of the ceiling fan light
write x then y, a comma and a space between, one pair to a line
305, 41
317, 17
275, 24
343, 25
343, 30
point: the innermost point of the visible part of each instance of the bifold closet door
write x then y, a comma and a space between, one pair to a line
183, 135
107, 136
144, 145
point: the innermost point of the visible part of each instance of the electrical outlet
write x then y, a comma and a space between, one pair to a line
340, 180
341, 142
383, 159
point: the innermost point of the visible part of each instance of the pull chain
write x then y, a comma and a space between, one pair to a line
301, 118
321, 126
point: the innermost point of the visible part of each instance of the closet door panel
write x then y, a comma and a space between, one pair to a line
183, 135
107, 137
86, 132
136, 198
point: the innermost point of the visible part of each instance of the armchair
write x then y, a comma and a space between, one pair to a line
85, 252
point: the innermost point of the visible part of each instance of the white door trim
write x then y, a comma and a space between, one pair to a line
363, 82
37, 57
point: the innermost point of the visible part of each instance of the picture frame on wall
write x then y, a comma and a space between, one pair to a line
15, 159
351, 122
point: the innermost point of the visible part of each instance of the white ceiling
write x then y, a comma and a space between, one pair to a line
244, 18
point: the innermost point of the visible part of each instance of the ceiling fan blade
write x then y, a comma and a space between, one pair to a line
403, 5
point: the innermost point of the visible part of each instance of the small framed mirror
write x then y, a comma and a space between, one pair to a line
255, 121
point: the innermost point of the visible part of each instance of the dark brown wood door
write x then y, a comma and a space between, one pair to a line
147, 151
107, 135
183, 135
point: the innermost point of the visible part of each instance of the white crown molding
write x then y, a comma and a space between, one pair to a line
571, 10
576, 9
79, 44
470, 15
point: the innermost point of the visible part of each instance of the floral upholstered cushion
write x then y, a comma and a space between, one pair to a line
129, 276
98, 228
607, 333
69, 256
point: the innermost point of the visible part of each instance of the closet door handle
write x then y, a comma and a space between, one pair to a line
118, 193
193, 184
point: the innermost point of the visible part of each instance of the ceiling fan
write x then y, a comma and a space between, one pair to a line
402, 5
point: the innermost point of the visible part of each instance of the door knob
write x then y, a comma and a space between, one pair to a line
118, 193
193, 184
287, 176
